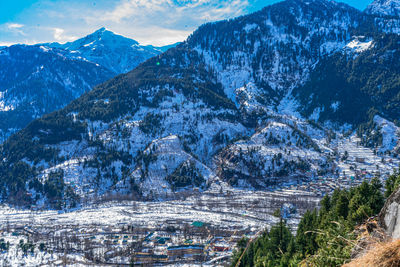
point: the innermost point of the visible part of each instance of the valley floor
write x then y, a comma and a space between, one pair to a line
114, 232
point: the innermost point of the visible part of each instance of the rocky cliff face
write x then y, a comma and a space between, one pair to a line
389, 217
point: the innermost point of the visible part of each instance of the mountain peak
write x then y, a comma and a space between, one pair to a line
106, 32
105, 35
101, 30
115, 52
384, 8
101, 37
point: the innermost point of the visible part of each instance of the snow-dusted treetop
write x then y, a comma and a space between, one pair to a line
384, 7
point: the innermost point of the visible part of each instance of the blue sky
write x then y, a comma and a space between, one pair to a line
157, 22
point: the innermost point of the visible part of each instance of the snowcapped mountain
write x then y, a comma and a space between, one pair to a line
384, 8
255, 101
114, 52
36, 80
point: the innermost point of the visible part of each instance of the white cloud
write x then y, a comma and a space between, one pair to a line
192, 10
233, 9
58, 34
12, 26
128, 9
157, 22
60, 37
162, 22
15, 28
155, 35
5, 44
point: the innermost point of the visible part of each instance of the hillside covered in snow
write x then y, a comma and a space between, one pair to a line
275, 97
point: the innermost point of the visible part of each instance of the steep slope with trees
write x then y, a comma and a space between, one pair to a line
324, 238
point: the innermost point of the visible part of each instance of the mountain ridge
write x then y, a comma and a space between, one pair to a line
42, 81
115, 52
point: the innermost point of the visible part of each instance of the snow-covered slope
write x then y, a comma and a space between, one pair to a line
268, 53
276, 154
390, 134
354, 85
385, 14
165, 162
359, 46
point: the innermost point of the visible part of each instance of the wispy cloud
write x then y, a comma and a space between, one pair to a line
157, 22
5, 44
172, 11
15, 28
128, 9
61, 37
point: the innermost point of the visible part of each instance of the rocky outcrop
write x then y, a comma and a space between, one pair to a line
369, 234
389, 217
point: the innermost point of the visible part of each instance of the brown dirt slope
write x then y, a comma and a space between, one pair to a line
381, 255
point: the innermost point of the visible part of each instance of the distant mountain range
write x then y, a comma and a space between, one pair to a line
254, 101
114, 52
36, 80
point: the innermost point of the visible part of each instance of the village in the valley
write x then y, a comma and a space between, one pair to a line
125, 245
198, 230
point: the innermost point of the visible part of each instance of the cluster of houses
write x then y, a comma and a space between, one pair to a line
323, 185
162, 247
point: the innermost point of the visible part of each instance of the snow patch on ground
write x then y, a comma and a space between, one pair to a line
359, 46
390, 134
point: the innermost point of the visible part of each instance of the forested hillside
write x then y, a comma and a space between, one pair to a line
328, 236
